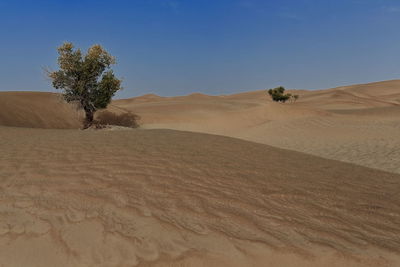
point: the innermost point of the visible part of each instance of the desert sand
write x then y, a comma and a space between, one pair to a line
357, 124
244, 182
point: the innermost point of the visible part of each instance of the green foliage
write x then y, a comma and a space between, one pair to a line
278, 94
86, 79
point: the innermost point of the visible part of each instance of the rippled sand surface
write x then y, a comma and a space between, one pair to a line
170, 198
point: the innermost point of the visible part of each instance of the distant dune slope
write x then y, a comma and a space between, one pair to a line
371, 95
36, 110
170, 198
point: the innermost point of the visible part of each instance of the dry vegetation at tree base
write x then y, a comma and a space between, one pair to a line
154, 197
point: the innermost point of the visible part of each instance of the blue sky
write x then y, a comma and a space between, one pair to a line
176, 47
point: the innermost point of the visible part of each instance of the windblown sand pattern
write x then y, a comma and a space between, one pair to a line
168, 198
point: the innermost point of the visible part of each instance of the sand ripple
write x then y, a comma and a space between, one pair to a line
167, 198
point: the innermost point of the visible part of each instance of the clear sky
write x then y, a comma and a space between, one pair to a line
175, 47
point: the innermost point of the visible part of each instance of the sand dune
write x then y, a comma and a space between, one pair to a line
355, 124
154, 197
168, 198
37, 110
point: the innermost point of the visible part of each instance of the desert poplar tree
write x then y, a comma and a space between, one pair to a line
86, 79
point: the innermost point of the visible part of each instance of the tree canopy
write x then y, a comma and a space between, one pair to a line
86, 79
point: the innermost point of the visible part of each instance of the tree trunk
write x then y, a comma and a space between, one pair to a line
88, 118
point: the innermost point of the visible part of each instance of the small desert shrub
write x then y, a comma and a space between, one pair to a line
278, 94
125, 119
